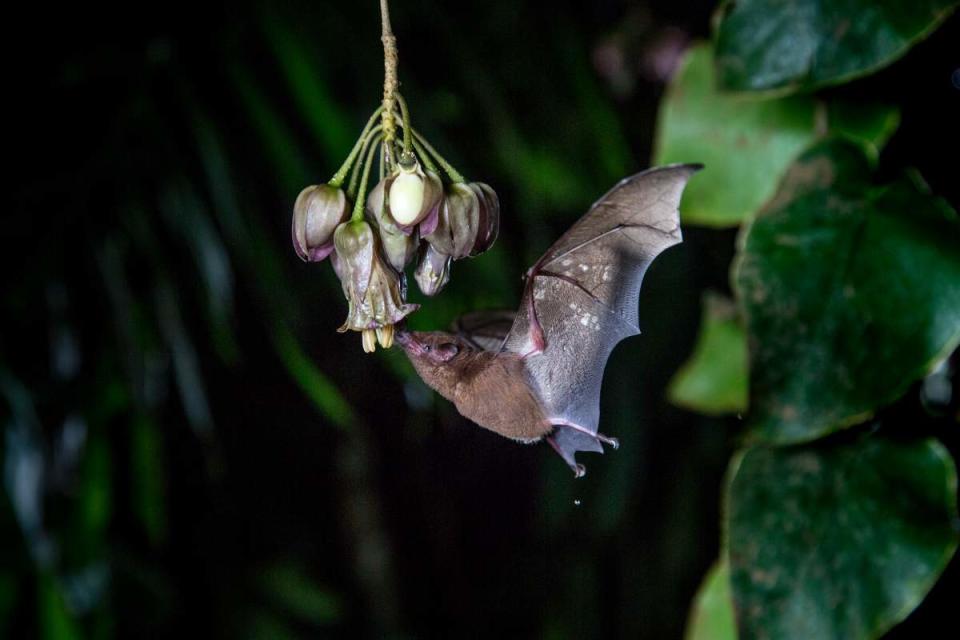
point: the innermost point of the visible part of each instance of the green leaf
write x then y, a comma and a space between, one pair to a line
147, 482
56, 622
838, 541
803, 44
279, 143
321, 390
294, 591
871, 124
711, 616
300, 68
94, 506
748, 144
850, 292
714, 379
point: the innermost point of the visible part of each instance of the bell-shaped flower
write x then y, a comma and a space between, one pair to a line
373, 289
489, 224
317, 212
456, 232
433, 271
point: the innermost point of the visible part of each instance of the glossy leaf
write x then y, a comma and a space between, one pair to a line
804, 44
714, 379
745, 145
850, 291
871, 124
711, 616
840, 541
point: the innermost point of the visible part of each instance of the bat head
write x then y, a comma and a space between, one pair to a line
438, 357
434, 347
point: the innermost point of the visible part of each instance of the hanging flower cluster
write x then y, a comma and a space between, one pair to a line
421, 209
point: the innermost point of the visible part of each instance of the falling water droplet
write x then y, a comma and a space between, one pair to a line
576, 503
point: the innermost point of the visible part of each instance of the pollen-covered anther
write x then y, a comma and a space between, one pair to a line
385, 336
369, 339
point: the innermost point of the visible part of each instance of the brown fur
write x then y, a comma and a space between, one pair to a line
490, 389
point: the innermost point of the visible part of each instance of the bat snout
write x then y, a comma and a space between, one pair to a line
408, 342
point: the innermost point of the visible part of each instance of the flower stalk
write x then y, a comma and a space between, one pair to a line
420, 210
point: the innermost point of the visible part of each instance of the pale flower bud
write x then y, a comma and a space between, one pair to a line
316, 213
413, 195
398, 247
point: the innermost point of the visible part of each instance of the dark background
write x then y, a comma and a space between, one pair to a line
190, 445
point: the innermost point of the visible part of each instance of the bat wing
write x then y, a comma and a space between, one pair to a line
484, 330
581, 299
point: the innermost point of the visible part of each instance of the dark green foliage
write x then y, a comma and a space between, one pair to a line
848, 283
748, 143
854, 284
804, 44
841, 540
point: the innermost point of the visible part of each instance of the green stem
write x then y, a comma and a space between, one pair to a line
383, 164
362, 196
341, 174
455, 175
355, 174
424, 156
407, 137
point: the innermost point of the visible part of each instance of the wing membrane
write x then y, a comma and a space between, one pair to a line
581, 297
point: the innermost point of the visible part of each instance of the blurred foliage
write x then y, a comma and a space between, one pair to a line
869, 524
747, 143
846, 284
714, 379
826, 274
711, 614
189, 445
804, 44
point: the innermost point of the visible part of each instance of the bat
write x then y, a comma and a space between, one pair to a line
536, 374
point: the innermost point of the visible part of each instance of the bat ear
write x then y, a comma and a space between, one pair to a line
567, 440
447, 351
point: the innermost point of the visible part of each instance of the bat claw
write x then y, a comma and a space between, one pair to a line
612, 442
579, 471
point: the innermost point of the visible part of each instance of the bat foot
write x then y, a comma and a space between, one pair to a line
613, 443
579, 470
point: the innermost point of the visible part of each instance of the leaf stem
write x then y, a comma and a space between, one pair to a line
341, 174
407, 127
424, 156
367, 163
355, 174
455, 175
